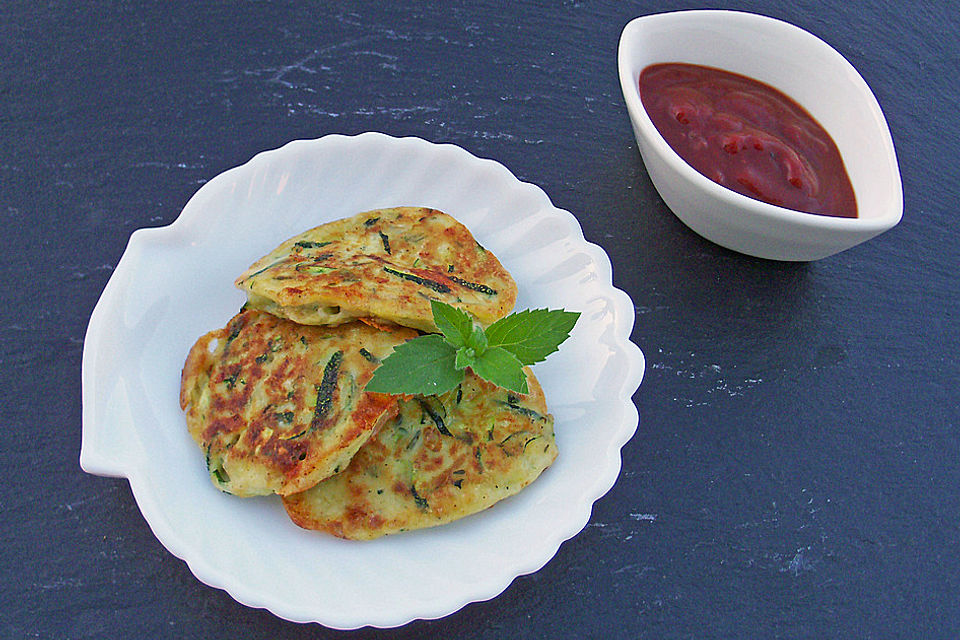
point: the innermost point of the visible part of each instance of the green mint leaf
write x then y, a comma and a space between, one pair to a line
477, 340
435, 364
424, 365
502, 368
533, 334
466, 356
455, 325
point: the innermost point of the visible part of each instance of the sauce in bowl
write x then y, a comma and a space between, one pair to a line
748, 137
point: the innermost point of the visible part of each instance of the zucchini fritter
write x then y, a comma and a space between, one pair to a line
383, 265
442, 458
276, 406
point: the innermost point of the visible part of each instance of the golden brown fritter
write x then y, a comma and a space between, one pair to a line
442, 458
385, 264
276, 406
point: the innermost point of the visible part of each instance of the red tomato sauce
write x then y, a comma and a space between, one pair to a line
748, 137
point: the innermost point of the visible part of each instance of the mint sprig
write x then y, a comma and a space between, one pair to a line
436, 363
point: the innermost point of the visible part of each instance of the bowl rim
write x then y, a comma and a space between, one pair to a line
629, 72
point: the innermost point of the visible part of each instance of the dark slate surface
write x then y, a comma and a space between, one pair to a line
795, 471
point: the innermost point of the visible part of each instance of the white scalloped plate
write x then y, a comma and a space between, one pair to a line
175, 283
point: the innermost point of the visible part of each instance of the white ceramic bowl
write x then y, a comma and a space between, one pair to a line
806, 69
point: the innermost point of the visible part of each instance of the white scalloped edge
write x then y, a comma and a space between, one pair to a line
175, 283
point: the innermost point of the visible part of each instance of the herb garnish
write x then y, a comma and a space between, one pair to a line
435, 363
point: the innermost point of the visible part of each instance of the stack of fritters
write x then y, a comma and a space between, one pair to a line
276, 399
